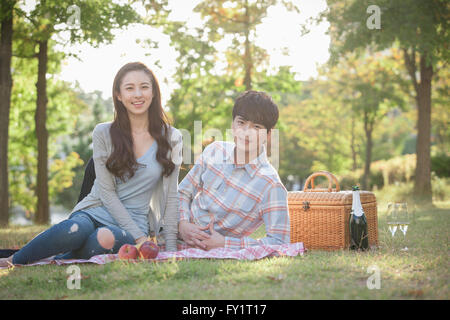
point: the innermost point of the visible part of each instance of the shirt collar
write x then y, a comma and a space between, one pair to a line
253, 166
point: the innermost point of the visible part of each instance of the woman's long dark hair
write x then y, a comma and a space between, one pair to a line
122, 162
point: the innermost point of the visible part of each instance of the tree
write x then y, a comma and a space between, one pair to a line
205, 93
239, 20
202, 94
337, 120
366, 84
63, 108
420, 29
317, 127
50, 18
6, 33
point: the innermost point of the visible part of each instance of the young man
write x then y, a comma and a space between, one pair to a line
232, 188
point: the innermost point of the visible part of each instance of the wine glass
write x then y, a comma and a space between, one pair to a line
392, 218
403, 220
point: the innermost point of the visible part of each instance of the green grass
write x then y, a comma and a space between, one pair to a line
419, 273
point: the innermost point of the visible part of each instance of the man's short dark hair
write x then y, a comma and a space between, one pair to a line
257, 107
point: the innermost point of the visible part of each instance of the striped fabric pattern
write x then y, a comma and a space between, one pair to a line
238, 198
251, 253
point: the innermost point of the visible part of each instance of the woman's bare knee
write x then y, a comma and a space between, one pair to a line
105, 238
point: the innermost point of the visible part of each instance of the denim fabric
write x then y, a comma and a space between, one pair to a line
74, 238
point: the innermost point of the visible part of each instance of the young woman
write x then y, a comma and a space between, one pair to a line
137, 160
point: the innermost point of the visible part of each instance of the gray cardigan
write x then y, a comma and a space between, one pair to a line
163, 203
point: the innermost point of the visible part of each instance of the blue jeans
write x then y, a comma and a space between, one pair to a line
74, 238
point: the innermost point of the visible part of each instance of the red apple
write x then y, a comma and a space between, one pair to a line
128, 251
148, 250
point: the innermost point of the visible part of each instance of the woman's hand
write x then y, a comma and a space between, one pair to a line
192, 234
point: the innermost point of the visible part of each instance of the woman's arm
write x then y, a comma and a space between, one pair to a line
171, 218
106, 189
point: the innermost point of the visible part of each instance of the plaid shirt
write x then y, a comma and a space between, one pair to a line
241, 197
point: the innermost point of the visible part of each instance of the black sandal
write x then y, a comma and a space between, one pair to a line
6, 253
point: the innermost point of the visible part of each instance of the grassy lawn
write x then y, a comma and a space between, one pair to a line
419, 273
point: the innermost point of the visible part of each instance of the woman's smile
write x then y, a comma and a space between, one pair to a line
138, 104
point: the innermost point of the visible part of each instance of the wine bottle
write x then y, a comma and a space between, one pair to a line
359, 237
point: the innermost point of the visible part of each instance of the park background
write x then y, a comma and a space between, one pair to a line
362, 88
362, 91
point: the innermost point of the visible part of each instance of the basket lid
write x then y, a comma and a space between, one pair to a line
323, 197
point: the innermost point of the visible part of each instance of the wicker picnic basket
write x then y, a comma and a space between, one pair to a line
319, 217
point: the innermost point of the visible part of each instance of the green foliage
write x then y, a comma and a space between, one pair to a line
440, 187
63, 107
281, 86
400, 169
205, 93
418, 24
97, 19
403, 191
352, 178
95, 110
395, 135
329, 123
440, 113
202, 94
397, 169
61, 174
53, 22
420, 29
237, 21
440, 164
383, 172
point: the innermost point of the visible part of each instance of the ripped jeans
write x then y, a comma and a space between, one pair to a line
74, 238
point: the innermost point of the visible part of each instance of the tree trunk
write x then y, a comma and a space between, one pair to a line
6, 9
42, 212
422, 184
368, 128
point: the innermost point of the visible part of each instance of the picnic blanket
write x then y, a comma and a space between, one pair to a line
250, 253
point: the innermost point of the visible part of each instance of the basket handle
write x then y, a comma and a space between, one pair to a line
331, 178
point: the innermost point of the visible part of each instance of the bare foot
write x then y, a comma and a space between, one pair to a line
6, 262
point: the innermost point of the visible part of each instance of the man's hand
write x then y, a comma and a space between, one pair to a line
216, 240
193, 235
